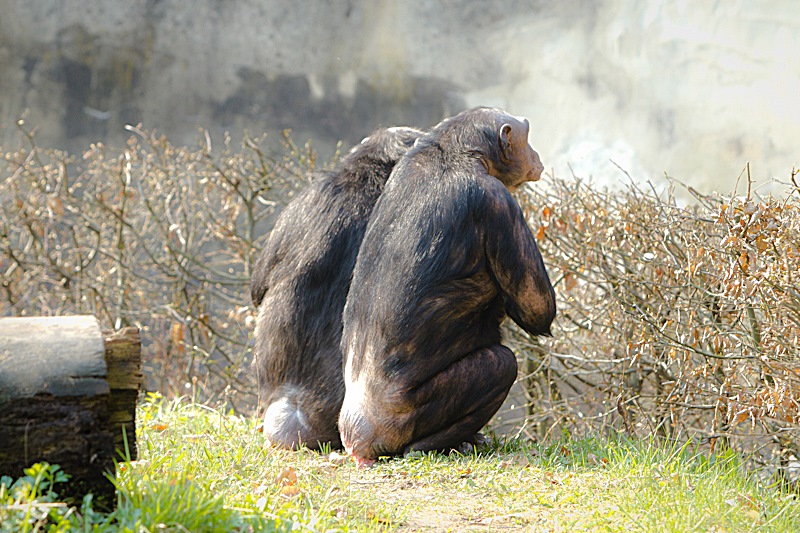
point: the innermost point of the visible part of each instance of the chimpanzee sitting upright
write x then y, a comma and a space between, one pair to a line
446, 255
300, 284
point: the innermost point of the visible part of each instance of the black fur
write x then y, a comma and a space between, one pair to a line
447, 254
300, 283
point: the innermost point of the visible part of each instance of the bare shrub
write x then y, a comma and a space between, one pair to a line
682, 321
154, 235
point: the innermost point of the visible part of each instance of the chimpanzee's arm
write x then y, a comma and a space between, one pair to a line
517, 265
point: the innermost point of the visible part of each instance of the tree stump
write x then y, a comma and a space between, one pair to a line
68, 396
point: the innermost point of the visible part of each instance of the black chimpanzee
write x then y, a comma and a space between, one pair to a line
446, 255
300, 284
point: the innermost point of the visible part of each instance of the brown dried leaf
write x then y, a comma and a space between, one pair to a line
740, 417
55, 204
372, 514
552, 479
290, 491
744, 261
287, 477
177, 333
569, 281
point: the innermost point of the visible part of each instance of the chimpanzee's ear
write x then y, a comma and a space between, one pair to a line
504, 140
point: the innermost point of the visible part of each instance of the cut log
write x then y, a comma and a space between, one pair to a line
67, 396
123, 355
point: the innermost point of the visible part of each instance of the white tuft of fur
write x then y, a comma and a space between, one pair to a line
355, 387
285, 421
352, 422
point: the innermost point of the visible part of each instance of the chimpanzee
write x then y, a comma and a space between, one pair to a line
300, 284
446, 255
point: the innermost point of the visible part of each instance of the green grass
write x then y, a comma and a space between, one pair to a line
201, 470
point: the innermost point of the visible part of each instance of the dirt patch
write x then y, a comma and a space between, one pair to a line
458, 504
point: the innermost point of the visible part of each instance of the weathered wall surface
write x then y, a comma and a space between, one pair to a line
693, 89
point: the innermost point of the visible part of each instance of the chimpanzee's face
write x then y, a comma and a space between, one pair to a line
523, 163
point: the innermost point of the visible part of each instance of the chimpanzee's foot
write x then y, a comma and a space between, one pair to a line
479, 439
465, 448
469, 445
362, 462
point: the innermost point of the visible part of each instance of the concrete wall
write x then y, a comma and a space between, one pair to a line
694, 89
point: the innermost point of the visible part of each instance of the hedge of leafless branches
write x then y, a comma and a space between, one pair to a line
154, 235
674, 320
